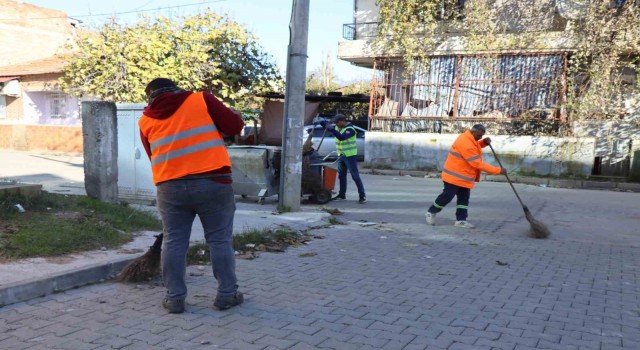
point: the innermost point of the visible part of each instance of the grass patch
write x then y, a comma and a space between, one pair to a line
55, 224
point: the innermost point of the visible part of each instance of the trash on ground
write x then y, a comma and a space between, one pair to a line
20, 208
368, 223
383, 237
249, 255
502, 263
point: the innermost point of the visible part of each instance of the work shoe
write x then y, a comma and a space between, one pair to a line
463, 224
339, 197
223, 303
173, 306
431, 218
362, 200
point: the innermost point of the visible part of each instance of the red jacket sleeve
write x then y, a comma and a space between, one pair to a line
226, 120
145, 143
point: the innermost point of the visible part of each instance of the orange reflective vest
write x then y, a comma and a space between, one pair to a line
464, 162
185, 143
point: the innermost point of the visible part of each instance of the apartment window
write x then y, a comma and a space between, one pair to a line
3, 107
57, 105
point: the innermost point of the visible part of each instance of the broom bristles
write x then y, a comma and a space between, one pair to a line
145, 267
537, 228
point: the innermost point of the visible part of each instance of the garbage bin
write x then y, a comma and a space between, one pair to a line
329, 177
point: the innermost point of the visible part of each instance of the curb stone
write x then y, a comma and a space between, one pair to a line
60, 282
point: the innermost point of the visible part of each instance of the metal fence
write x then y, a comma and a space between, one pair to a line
360, 30
504, 86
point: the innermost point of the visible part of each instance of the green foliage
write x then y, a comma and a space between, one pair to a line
205, 51
608, 42
602, 40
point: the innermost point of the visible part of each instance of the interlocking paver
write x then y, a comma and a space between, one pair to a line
419, 287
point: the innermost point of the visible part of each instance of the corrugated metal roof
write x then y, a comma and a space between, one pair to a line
53, 64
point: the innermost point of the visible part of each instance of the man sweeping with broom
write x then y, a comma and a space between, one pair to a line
460, 173
182, 132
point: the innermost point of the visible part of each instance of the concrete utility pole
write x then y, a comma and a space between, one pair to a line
291, 171
100, 142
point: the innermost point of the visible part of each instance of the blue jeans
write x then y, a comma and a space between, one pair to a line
179, 201
351, 164
447, 195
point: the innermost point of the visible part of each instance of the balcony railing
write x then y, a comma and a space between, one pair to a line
360, 31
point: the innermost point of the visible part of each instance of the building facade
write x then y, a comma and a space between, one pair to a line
35, 114
519, 92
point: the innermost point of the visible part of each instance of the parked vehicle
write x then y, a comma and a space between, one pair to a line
328, 146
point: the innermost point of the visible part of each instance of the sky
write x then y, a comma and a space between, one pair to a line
268, 20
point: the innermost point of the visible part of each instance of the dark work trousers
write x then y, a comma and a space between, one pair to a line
447, 195
351, 164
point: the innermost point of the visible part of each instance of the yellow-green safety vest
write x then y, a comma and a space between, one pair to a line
347, 147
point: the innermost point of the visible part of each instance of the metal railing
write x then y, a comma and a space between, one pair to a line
360, 30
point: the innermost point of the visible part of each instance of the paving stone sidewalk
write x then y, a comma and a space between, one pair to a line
365, 289
385, 280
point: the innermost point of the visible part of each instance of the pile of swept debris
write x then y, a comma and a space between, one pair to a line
250, 243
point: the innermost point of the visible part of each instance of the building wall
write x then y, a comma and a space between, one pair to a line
29, 39
14, 108
34, 105
361, 53
527, 155
22, 137
37, 107
366, 11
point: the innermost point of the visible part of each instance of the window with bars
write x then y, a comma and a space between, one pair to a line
57, 105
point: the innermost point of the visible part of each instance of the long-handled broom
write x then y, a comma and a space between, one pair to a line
538, 229
145, 267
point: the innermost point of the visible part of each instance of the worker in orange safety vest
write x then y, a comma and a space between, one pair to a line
183, 133
460, 173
